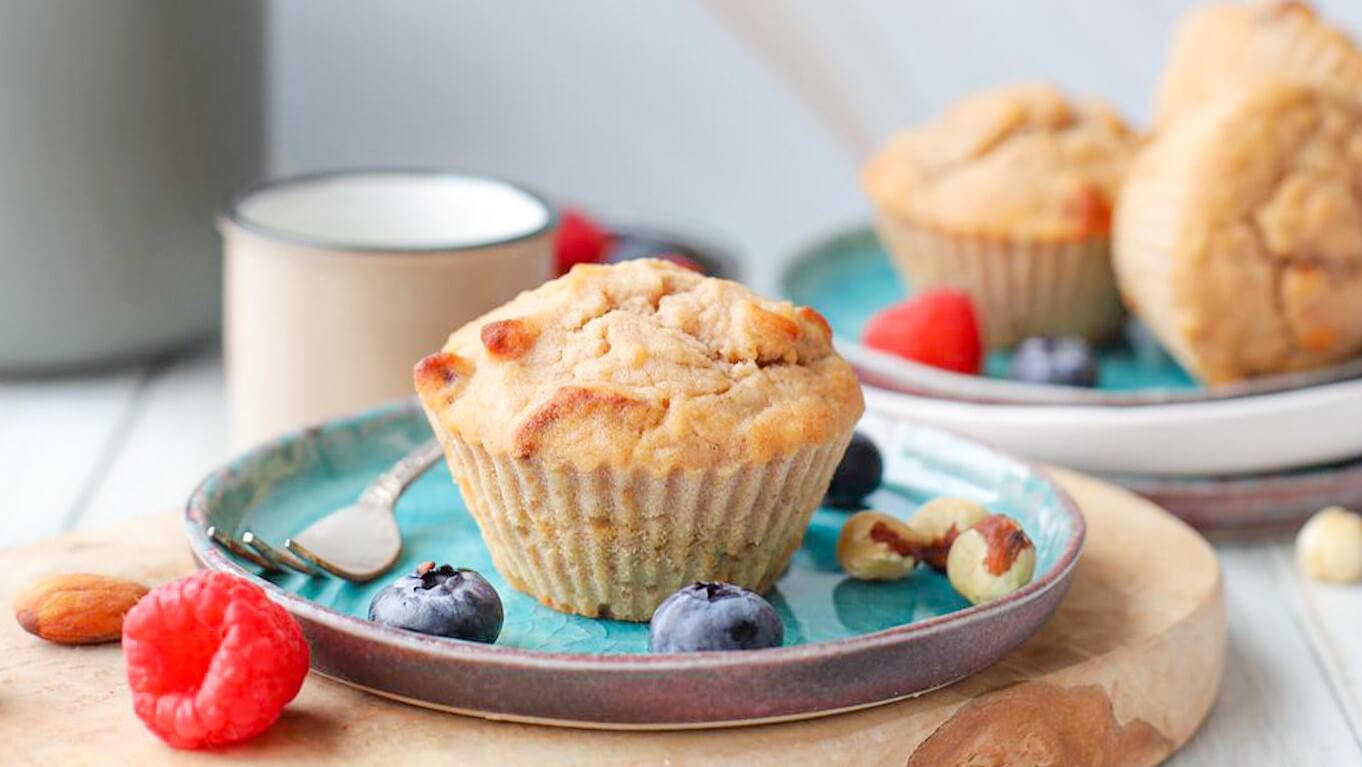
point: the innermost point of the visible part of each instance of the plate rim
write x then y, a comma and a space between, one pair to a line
1139, 427
903, 376
210, 555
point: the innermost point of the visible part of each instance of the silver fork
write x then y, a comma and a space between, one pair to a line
358, 542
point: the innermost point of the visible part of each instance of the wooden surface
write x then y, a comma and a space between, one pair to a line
1122, 675
89, 450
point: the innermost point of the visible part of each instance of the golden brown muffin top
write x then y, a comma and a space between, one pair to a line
1255, 207
642, 364
1019, 162
1218, 49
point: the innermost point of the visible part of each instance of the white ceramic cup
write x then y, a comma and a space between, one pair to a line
337, 283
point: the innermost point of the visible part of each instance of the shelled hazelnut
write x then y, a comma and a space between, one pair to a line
991, 559
877, 547
939, 521
1329, 546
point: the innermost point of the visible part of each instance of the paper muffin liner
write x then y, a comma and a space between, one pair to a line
1144, 240
1020, 288
613, 543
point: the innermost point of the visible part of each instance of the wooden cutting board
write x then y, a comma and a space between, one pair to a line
1122, 675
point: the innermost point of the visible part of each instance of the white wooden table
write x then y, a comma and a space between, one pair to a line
95, 449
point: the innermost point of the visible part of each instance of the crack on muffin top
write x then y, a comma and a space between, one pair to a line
1220, 48
648, 362
1306, 222
1016, 162
1264, 274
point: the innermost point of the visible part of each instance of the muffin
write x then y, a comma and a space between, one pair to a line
1007, 197
625, 430
1239, 234
1219, 49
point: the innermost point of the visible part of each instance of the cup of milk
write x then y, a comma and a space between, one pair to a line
337, 283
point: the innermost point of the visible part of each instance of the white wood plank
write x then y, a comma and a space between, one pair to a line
1276, 706
178, 437
56, 434
1332, 617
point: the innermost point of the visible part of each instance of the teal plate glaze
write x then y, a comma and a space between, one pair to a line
848, 278
585, 669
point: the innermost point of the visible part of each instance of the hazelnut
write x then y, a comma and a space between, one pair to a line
1329, 546
877, 547
939, 521
991, 559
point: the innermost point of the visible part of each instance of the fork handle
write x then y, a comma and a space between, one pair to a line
388, 486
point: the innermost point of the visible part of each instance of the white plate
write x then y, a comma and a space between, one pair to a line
848, 278
1269, 432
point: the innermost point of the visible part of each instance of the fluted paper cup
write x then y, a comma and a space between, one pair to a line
1020, 288
613, 543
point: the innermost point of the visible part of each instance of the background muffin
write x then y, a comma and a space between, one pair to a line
1239, 233
625, 430
1219, 49
1008, 197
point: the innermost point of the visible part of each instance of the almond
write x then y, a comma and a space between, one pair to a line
76, 608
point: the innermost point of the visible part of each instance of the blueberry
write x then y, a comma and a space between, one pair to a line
857, 476
444, 601
714, 616
1062, 361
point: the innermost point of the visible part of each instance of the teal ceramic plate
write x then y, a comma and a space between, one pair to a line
848, 278
848, 644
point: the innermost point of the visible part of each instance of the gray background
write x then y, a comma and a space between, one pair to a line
747, 119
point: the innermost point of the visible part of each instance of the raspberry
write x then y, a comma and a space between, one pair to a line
211, 660
579, 240
936, 328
